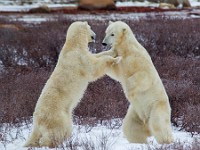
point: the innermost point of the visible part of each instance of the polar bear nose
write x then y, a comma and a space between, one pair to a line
104, 44
93, 37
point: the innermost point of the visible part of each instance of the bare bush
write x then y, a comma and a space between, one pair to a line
19, 94
112, 100
101, 141
32, 46
195, 145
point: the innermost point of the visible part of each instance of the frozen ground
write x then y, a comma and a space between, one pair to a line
25, 8
111, 137
194, 3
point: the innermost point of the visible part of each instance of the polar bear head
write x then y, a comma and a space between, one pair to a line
116, 32
80, 30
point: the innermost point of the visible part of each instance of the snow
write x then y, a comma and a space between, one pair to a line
143, 4
32, 19
26, 8
195, 16
194, 3
21, 62
34, 2
38, 18
108, 135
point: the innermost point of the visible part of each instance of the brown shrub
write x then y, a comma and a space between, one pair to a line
195, 145
104, 99
33, 46
19, 93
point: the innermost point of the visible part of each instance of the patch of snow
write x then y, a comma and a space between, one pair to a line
26, 8
33, 2
32, 19
14, 8
113, 138
1, 66
61, 5
195, 16
194, 3
138, 4
22, 62
25, 53
38, 18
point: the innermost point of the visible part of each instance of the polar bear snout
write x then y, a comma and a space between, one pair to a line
93, 36
109, 39
104, 44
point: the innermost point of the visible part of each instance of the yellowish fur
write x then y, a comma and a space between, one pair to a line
149, 111
76, 67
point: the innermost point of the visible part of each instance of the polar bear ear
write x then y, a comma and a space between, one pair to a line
85, 23
124, 30
110, 22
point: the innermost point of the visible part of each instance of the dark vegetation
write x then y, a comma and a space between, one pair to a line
28, 54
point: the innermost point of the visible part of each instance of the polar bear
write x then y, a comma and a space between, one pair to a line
76, 67
149, 111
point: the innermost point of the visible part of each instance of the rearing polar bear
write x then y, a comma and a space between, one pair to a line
76, 67
149, 111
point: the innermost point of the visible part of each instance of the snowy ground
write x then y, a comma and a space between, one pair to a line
26, 8
38, 18
111, 137
194, 3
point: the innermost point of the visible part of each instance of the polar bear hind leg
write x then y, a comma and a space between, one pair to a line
134, 129
52, 136
33, 141
159, 123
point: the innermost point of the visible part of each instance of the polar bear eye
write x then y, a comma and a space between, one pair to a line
112, 34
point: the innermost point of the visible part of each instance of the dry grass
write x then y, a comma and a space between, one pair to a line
195, 145
19, 93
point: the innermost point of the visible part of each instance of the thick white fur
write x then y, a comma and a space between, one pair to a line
76, 67
149, 111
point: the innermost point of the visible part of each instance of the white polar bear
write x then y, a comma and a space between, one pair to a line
76, 67
149, 111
